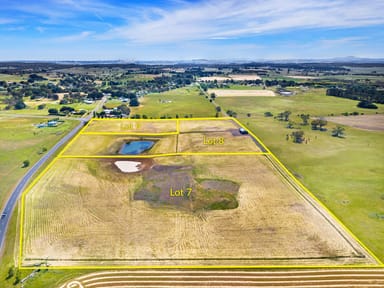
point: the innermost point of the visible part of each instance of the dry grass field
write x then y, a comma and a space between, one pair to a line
245, 77
236, 77
195, 136
131, 126
89, 144
241, 93
82, 211
215, 125
300, 77
225, 141
367, 122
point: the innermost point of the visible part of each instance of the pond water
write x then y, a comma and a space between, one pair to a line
136, 147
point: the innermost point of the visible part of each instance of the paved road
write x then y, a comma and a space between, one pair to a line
11, 203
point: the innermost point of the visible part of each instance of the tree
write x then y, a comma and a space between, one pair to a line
286, 115
248, 114
268, 114
20, 105
25, 163
213, 96
134, 102
283, 116
338, 131
124, 109
53, 111
67, 109
366, 104
305, 118
218, 109
11, 273
290, 125
322, 123
41, 106
315, 123
298, 136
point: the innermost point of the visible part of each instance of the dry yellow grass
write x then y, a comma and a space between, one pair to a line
366, 122
242, 77
241, 93
84, 210
216, 142
206, 125
132, 126
87, 144
236, 77
300, 77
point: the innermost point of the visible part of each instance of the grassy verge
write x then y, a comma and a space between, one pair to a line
19, 141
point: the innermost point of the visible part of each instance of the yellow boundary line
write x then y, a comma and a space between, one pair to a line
204, 267
60, 155
166, 155
158, 119
131, 133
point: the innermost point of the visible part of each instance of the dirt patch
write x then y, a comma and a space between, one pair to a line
241, 93
301, 77
175, 186
239, 77
366, 122
245, 77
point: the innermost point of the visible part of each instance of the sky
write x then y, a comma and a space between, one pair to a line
185, 30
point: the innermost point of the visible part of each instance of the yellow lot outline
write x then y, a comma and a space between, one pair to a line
379, 264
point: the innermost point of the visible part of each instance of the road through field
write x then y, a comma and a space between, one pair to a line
10, 205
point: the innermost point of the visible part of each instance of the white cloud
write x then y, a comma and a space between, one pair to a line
231, 18
341, 41
6, 21
75, 37
40, 29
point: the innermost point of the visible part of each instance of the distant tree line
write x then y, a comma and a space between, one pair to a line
360, 92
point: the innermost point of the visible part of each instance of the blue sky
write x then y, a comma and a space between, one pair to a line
183, 30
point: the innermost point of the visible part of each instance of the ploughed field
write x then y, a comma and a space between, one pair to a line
177, 210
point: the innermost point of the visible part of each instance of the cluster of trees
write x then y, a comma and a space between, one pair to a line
283, 116
119, 112
366, 104
231, 113
34, 77
361, 92
282, 83
318, 124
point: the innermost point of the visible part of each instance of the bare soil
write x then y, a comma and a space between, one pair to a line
366, 122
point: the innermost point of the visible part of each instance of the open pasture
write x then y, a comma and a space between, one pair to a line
181, 102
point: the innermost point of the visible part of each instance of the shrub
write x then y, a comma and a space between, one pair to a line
366, 104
